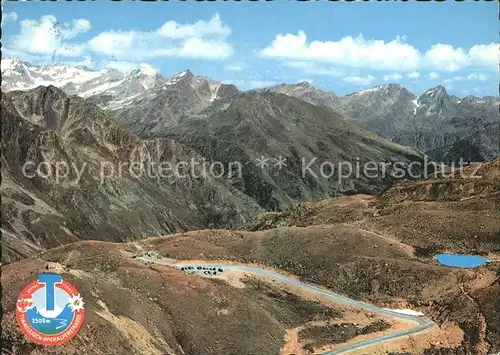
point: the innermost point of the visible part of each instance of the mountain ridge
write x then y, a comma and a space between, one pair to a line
45, 126
150, 105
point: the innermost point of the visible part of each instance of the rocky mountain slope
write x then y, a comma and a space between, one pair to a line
109, 187
263, 128
384, 109
435, 122
309, 93
446, 127
182, 97
97, 194
381, 249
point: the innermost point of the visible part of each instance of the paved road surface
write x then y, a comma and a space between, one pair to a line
422, 323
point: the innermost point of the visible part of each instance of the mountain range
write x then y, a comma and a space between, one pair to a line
47, 128
444, 126
186, 118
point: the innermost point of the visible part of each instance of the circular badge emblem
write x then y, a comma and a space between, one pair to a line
50, 310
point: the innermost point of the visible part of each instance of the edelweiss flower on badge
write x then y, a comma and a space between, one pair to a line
24, 304
76, 303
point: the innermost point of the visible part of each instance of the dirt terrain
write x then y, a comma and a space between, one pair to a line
380, 249
375, 249
163, 311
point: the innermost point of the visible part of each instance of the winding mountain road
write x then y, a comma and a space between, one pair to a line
423, 323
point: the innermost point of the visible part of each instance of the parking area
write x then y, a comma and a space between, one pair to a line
203, 270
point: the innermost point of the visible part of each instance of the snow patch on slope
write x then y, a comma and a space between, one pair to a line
370, 90
175, 79
416, 104
101, 88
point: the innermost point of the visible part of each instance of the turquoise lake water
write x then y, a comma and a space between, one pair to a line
461, 260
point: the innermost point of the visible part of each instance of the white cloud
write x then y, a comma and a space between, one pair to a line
477, 76
45, 37
77, 26
413, 75
213, 27
37, 37
9, 16
359, 80
433, 75
113, 43
392, 77
485, 55
203, 40
446, 57
348, 52
395, 55
202, 49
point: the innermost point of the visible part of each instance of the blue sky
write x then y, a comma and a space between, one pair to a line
343, 47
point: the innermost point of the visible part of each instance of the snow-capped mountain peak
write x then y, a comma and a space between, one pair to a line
185, 76
146, 75
10, 64
303, 84
19, 75
436, 92
367, 91
181, 74
383, 89
108, 87
437, 102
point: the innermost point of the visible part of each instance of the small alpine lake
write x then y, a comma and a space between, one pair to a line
461, 260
